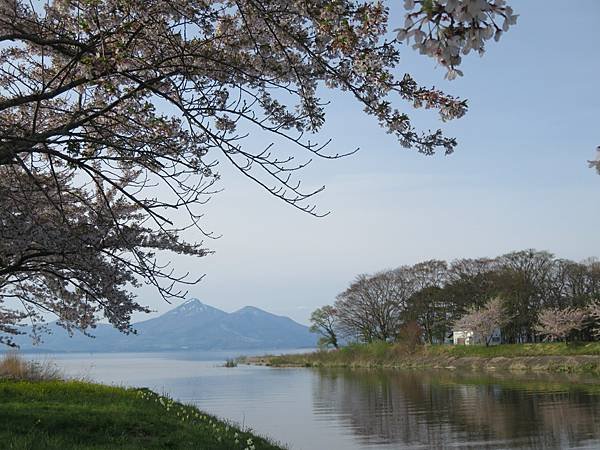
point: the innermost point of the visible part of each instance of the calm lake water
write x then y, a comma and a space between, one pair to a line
311, 409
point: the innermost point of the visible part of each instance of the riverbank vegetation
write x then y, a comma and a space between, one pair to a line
14, 367
231, 362
49, 413
529, 296
553, 357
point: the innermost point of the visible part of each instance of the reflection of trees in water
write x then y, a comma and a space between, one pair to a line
439, 408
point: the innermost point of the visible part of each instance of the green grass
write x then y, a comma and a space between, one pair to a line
513, 350
381, 354
78, 415
354, 355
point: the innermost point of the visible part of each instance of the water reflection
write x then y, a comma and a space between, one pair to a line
447, 409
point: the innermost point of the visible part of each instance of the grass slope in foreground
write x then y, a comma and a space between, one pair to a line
79, 415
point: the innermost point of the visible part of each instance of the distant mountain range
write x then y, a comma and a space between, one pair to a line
192, 325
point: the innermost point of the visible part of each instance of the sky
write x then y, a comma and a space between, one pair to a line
518, 179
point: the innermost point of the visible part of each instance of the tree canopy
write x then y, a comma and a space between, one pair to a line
114, 113
324, 322
528, 294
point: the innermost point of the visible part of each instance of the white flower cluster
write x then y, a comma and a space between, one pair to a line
595, 163
445, 29
223, 432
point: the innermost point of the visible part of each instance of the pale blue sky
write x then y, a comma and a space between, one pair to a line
518, 179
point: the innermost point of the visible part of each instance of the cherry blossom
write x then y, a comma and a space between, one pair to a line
557, 323
485, 320
446, 30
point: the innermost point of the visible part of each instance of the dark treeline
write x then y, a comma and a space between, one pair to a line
432, 295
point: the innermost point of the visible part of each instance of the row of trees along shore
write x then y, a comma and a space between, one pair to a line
530, 295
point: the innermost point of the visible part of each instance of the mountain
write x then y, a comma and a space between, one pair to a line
192, 325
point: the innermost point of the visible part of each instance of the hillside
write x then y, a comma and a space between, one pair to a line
192, 325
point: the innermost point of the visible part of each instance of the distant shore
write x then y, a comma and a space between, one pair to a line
551, 357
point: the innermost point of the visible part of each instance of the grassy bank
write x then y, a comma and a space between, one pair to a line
40, 411
556, 357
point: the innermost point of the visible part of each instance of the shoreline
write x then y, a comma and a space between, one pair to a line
555, 364
513, 358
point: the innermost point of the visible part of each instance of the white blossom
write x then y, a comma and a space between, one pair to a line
559, 323
442, 29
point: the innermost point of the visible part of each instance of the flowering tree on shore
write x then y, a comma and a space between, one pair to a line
558, 324
594, 313
61, 253
483, 321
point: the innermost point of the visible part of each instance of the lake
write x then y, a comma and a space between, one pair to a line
311, 409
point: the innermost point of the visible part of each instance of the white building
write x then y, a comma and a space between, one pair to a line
466, 337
